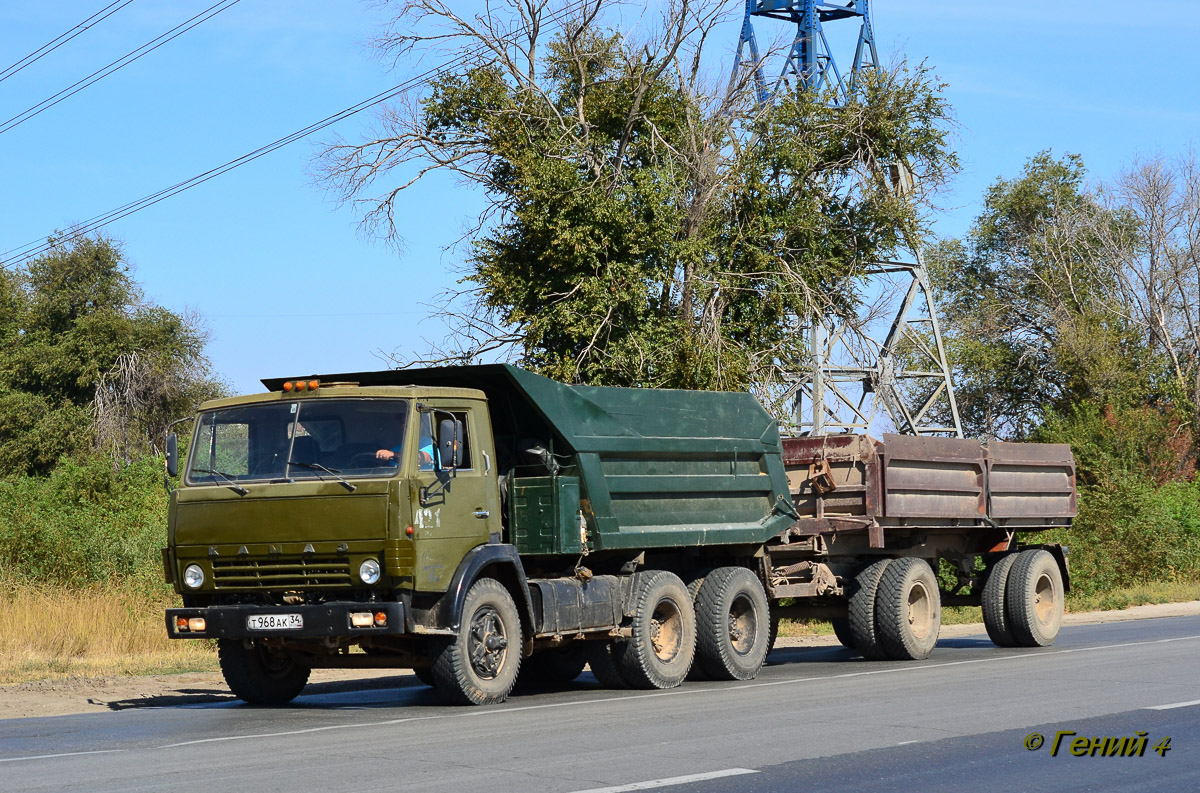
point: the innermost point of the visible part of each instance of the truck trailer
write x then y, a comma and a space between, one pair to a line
483, 524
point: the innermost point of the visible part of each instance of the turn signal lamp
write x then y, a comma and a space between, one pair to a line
380, 619
181, 624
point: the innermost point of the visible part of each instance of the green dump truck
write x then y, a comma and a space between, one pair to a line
481, 524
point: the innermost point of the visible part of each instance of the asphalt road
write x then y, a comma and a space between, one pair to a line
816, 718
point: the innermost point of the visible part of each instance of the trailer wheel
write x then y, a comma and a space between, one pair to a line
258, 674
864, 589
841, 629
992, 601
601, 658
479, 665
908, 609
733, 624
660, 650
1034, 598
555, 666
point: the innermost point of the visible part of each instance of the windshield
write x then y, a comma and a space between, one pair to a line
309, 439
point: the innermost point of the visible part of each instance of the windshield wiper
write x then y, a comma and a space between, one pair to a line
229, 481
318, 467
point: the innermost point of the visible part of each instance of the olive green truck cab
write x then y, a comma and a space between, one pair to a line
481, 524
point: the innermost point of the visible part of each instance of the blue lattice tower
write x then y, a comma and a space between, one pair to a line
856, 372
810, 64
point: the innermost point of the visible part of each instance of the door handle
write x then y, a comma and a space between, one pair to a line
482, 513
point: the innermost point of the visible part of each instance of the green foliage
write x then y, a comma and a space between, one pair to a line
644, 228
86, 522
1024, 299
85, 363
1131, 532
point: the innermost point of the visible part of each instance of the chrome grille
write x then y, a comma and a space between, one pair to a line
282, 573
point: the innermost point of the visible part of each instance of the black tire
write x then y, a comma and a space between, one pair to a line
908, 610
603, 663
660, 650
424, 674
861, 615
841, 629
697, 671
553, 667
479, 665
992, 602
733, 624
258, 674
1034, 598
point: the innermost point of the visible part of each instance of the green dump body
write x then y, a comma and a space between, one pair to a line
641, 468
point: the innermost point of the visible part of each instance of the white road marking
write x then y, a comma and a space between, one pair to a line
675, 780
1173, 705
906, 743
62, 754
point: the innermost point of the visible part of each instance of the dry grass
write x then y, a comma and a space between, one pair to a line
50, 632
1166, 592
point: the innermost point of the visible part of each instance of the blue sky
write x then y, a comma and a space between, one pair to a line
281, 274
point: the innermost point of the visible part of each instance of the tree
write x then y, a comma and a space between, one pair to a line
643, 227
72, 323
1153, 260
1027, 301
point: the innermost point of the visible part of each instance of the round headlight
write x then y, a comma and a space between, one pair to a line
193, 576
368, 571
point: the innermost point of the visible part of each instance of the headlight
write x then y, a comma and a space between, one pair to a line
193, 576
368, 571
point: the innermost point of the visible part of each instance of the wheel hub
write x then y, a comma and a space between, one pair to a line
487, 643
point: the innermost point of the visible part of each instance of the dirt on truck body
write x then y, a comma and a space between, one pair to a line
482, 523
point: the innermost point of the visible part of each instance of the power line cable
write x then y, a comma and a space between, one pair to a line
62, 39
118, 64
30, 250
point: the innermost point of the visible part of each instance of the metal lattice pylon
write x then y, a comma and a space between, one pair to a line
810, 64
855, 372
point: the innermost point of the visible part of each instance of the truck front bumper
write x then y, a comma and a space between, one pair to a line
246, 622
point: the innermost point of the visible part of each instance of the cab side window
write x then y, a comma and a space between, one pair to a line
426, 448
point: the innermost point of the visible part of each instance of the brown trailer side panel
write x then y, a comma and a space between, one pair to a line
933, 477
1028, 481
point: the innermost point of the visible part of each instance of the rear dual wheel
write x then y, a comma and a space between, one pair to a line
733, 624
895, 610
662, 642
1023, 599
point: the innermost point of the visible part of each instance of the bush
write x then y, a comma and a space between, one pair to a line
88, 521
1130, 532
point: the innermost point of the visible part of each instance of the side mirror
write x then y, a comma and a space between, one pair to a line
450, 447
172, 454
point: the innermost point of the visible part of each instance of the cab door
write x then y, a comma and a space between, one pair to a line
456, 502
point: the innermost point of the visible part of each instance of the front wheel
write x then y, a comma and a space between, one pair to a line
479, 665
259, 674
